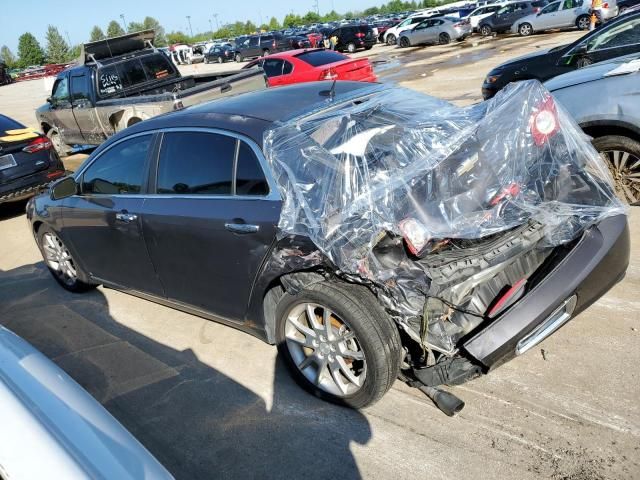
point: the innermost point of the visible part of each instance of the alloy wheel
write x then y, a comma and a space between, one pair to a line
525, 30
583, 23
485, 30
404, 42
325, 349
391, 39
444, 38
625, 169
59, 259
351, 48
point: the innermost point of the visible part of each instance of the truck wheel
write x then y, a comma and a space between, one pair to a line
220, 60
351, 47
339, 343
583, 22
265, 53
61, 148
391, 39
239, 57
622, 155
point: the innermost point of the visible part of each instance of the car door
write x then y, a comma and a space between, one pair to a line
62, 113
568, 13
548, 17
83, 110
103, 224
501, 18
621, 39
422, 33
210, 220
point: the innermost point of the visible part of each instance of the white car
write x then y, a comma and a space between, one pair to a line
52, 428
483, 12
558, 14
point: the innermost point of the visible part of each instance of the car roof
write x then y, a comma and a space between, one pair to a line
254, 112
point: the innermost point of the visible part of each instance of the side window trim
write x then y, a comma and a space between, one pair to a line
144, 188
274, 193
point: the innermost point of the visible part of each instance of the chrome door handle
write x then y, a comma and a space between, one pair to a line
126, 217
241, 228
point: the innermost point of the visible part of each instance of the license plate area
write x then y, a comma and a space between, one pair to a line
7, 161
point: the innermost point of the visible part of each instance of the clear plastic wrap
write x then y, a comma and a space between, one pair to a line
397, 170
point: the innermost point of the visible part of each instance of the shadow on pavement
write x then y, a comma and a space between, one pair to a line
197, 421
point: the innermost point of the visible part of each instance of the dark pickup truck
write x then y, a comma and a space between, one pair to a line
261, 45
122, 81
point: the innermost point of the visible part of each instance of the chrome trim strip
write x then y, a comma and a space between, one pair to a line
553, 322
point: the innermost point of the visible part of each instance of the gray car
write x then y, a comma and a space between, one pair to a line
436, 30
559, 14
605, 101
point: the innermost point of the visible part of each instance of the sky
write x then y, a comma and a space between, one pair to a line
76, 18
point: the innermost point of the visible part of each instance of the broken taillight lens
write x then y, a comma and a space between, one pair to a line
544, 122
39, 144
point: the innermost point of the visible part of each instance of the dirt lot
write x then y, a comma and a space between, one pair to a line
211, 402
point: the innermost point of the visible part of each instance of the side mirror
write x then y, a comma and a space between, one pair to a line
50, 100
582, 48
64, 188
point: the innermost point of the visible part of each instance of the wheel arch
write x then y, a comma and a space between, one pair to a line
602, 128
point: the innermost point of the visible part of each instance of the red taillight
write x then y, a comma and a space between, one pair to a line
359, 34
536, 9
57, 174
605, 5
508, 298
40, 143
544, 122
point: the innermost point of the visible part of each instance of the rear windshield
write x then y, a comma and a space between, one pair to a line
321, 57
114, 78
7, 123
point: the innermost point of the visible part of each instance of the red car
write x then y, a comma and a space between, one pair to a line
311, 65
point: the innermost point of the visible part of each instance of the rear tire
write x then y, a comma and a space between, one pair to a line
485, 30
583, 22
60, 263
206, 60
391, 39
239, 57
525, 29
621, 154
444, 39
220, 60
351, 47
265, 53
354, 315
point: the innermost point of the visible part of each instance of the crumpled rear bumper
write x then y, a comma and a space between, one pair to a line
596, 263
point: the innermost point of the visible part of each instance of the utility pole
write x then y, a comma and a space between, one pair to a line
215, 16
316, 7
124, 23
211, 27
68, 37
189, 20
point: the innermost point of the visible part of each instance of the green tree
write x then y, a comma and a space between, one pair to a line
291, 20
74, 52
249, 27
134, 27
150, 23
177, 37
332, 16
114, 29
273, 24
372, 11
57, 48
7, 56
311, 17
29, 51
96, 34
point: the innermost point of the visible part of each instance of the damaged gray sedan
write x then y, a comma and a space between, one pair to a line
371, 232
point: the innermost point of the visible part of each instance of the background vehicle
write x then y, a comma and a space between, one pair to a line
609, 116
502, 20
624, 5
614, 39
354, 37
45, 410
261, 45
28, 163
220, 54
298, 41
123, 83
440, 30
608, 11
390, 37
5, 78
483, 12
117, 221
383, 26
558, 14
313, 65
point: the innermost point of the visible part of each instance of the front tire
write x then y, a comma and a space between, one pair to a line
338, 343
220, 60
622, 155
265, 53
404, 42
525, 29
61, 148
60, 263
239, 58
351, 47
391, 39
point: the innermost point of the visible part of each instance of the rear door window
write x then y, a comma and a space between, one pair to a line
79, 89
109, 81
196, 163
121, 170
550, 8
250, 179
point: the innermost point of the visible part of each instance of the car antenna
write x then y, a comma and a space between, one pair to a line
330, 93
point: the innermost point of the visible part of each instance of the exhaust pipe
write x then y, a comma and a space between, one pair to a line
445, 401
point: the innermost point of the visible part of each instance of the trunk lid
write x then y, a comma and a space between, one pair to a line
352, 69
15, 162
